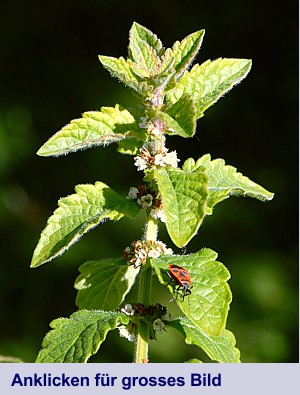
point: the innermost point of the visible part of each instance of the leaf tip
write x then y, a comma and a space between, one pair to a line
34, 263
270, 196
41, 152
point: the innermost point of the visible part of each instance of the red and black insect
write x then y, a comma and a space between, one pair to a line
181, 277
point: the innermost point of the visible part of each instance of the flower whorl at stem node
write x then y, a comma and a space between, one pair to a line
154, 154
154, 315
146, 199
162, 158
138, 252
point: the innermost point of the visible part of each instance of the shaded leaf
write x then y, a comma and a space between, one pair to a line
129, 146
76, 338
183, 114
76, 215
104, 284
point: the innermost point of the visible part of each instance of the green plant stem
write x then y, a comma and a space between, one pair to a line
144, 297
151, 229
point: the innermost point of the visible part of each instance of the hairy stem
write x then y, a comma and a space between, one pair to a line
144, 297
150, 230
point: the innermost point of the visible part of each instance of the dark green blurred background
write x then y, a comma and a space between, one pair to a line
50, 74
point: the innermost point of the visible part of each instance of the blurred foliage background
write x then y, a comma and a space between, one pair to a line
50, 74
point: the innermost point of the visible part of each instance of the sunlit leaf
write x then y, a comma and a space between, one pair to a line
225, 181
76, 215
184, 196
95, 128
77, 338
207, 82
144, 49
122, 69
185, 51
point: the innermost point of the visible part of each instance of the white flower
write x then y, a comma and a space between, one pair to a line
168, 251
133, 192
159, 160
124, 333
158, 213
171, 159
165, 250
140, 163
141, 255
131, 337
154, 253
145, 201
128, 309
136, 262
158, 325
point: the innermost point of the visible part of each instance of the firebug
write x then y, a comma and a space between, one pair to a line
181, 277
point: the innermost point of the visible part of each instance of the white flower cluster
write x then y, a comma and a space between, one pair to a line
156, 314
148, 160
139, 251
153, 154
147, 200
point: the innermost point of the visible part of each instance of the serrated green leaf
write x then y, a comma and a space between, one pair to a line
225, 181
207, 82
139, 33
141, 72
167, 68
184, 196
219, 348
77, 338
93, 129
183, 117
185, 51
122, 69
207, 306
141, 52
104, 284
76, 215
